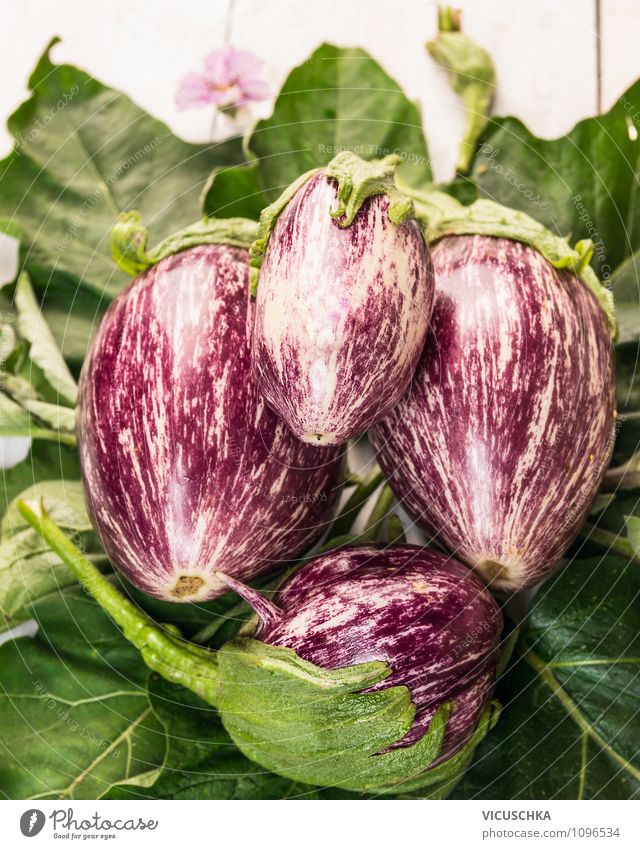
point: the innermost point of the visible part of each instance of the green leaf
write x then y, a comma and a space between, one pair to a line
582, 185
43, 351
570, 724
85, 153
63, 500
29, 569
234, 192
16, 421
338, 99
202, 761
74, 710
52, 415
625, 285
46, 461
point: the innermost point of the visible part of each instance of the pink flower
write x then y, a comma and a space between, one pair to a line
230, 79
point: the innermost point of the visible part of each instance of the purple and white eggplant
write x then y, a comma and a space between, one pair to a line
186, 470
344, 300
502, 442
424, 614
408, 641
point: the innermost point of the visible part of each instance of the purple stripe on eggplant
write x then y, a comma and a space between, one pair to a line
502, 442
425, 614
342, 314
186, 469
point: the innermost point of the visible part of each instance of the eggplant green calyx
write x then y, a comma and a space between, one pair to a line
129, 239
471, 75
342, 735
442, 215
162, 650
357, 179
348, 728
268, 218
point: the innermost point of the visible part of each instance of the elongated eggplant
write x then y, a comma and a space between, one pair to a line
187, 471
502, 442
421, 612
343, 303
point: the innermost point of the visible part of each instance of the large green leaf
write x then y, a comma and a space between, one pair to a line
29, 569
74, 709
582, 185
43, 349
625, 285
46, 461
570, 725
38, 391
338, 99
83, 154
202, 762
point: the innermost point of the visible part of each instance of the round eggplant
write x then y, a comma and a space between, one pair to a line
502, 442
342, 313
187, 471
423, 613
410, 640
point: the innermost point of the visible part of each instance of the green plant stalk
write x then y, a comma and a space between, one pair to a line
45, 434
471, 75
625, 476
343, 522
174, 659
379, 513
395, 531
609, 540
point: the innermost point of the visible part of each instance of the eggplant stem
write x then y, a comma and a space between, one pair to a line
619, 544
171, 657
395, 531
379, 513
268, 612
343, 522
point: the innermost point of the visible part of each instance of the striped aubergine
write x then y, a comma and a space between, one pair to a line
423, 613
186, 470
502, 442
342, 313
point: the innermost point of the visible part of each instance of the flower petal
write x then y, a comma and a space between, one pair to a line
252, 88
215, 64
194, 90
244, 64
